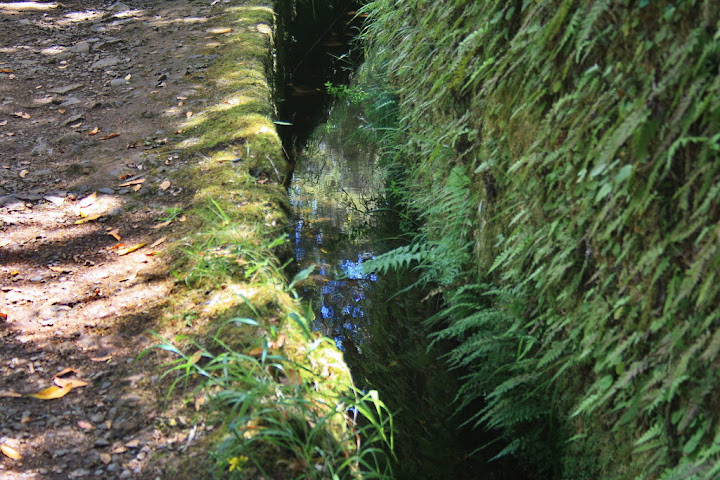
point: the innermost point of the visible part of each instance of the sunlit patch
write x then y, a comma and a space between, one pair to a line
54, 50
129, 14
83, 16
24, 6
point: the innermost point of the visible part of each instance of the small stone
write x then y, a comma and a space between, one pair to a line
126, 474
118, 82
113, 467
106, 190
70, 101
82, 48
105, 62
101, 442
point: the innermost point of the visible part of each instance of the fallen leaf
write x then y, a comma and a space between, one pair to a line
71, 382
88, 219
165, 185
101, 359
219, 30
195, 357
162, 225
188, 114
182, 218
10, 452
137, 187
117, 245
22, 115
5, 70
59, 269
77, 125
3, 123
115, 233
158, 242
61, 111
9, 394
106, 458
132, 182
85, 425
94, 131
66, 371
125, 251
279, 342
23, 173
128, 77
87, 201
108, 137
256, 352
135, 443
53, 392
119, 448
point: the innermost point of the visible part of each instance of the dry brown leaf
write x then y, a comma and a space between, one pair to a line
279, 342
117, 245
52, 393
256, 352
3, 123
219, 30
87, 201
108, 137
101, 359
88, 219
188, 114
182, 218
158, 242
118, 449
85, 425
195, 357
10, 452
5, 70
165, 185
162, 225
59, 269
115, 233
71, 382
137, 246
9, 394
106, 458
137, 187
23, 173
61, 111
66, 371
132, 182
22, 115
94, 131
76, 125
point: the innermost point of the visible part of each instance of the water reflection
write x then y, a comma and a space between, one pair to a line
332, 193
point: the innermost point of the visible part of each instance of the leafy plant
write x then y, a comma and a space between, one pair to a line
563, 160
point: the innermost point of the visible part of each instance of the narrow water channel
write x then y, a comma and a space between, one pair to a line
341, 220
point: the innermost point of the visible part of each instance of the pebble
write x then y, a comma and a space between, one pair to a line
106, 190
105, 62
126, 474
101, 442
118, 82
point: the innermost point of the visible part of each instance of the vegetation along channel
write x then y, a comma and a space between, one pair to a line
546, 303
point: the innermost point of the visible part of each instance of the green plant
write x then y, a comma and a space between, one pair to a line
272, 408
579, 266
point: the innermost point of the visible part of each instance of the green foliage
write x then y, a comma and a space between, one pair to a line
563, 159
272, 409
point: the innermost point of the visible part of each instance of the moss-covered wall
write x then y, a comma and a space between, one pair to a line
563, 158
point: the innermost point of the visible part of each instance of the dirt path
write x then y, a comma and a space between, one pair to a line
88, 91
